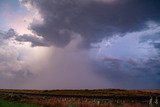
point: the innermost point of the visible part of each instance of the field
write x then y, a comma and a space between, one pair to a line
79, 98
4, 103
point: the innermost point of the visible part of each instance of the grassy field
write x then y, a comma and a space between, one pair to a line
4, 103
77, 98
103, 93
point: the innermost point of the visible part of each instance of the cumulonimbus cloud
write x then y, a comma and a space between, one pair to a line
125, 62
92, 19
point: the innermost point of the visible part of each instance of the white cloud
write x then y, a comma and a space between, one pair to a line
19, 19
17, 61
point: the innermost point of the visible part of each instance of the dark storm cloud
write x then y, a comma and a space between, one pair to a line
156, 45
130, 74
93, 19
11, 33
36, 41
74, 22
133, 60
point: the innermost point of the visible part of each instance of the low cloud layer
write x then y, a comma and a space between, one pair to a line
34, 40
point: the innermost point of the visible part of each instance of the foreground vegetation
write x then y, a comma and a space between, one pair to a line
78, 98
4, 103
86, 92
103, 93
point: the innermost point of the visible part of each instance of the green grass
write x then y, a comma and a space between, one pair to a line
4, 103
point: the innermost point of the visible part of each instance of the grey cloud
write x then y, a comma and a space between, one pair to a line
152, 39
62, 68
13, 71
35, 40
92, 19
13, 79
66, 68
129, 71
156, 45
123, 74
9, 34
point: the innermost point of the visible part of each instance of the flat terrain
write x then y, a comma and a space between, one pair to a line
82, 98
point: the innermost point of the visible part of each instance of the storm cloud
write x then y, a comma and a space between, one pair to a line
75, 44
24, 66
92, 19
130, 74
34, 40
130, 59
67, 68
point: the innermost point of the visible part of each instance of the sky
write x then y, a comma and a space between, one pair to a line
79, 44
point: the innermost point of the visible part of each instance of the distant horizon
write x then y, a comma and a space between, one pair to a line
83, 89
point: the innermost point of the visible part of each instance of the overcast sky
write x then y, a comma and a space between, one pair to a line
80, 44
